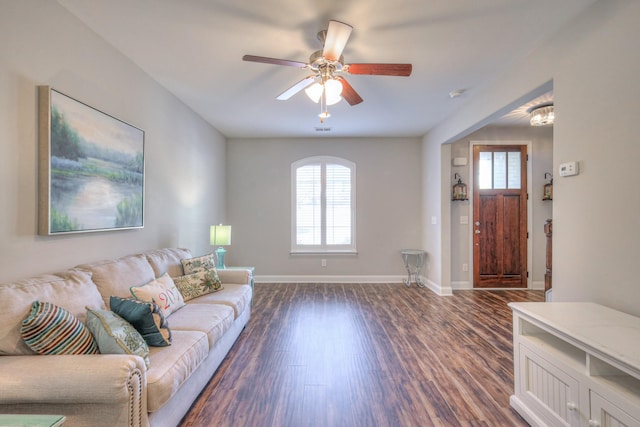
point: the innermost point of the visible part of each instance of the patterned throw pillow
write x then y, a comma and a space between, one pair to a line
197, 264
198, 284
49, 329
162, 291
146, 317
115, 335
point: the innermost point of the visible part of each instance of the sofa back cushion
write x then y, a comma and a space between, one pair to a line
72, 290
116, 276
167, 260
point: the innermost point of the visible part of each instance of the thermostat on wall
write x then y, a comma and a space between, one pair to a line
569, 169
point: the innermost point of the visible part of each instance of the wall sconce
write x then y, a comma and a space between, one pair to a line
459, 189
548, 187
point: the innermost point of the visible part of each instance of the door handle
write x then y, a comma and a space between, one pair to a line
478, 223
477, 231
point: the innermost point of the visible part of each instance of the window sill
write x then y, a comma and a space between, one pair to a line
328, 252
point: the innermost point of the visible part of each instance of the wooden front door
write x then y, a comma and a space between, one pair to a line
500, 216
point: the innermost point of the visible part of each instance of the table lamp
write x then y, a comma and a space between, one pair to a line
220, 235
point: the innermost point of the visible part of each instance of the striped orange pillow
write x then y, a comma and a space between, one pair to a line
49, 329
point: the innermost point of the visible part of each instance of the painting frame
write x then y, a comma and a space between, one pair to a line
91, 168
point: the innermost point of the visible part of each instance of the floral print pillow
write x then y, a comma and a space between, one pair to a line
198, 284
197, 264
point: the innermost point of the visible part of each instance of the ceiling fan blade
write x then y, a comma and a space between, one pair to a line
307, 81
337, 35
380, 69
348, 92
275, 61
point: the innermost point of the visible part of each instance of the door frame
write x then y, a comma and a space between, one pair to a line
529, 208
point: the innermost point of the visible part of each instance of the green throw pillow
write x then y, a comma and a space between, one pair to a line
197, 284
49, 329
115, 335
146, 317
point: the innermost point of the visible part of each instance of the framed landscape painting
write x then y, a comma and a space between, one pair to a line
91, 168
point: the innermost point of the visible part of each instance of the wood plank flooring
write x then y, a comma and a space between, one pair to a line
367, 355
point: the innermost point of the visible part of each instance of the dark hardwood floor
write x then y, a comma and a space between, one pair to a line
367, 355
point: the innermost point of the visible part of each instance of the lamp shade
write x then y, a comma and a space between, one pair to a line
220, 235
314, 92
333, 90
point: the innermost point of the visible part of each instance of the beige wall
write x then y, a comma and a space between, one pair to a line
594, 66
388, 205
42, 44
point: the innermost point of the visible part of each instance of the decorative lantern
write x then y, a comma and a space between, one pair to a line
548, 187
459, 189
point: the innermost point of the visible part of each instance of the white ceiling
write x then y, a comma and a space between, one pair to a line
194, 48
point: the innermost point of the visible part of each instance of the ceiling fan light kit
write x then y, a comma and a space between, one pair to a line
326, 85
542, 115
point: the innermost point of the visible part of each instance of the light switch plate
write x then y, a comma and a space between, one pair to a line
569, 169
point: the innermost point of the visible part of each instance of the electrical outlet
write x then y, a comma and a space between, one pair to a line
323, 263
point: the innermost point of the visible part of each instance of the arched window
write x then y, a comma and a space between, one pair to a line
323, 208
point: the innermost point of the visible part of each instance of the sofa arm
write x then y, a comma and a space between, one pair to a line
237, 276
118, 381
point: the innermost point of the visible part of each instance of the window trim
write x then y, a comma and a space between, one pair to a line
322, 248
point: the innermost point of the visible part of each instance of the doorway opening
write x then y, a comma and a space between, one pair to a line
501, 248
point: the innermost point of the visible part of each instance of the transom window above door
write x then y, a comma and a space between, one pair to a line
499, 170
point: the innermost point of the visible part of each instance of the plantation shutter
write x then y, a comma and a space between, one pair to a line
323, 210
308, 205
338, 205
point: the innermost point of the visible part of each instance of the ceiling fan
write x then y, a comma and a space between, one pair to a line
326, 84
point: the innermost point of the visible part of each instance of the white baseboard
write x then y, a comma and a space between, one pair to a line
438, 289
463, 285
328, 279
538, 286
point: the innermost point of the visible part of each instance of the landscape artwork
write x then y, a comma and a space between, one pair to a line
91, 168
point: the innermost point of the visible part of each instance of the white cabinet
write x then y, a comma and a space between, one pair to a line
576, 364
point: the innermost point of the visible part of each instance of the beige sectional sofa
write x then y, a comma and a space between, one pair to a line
118, 389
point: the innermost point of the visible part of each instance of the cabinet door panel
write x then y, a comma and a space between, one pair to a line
553, 393
608, 414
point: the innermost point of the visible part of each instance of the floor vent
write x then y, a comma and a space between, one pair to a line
323, 129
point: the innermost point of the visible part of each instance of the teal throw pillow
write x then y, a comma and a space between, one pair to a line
146, 317
115, 335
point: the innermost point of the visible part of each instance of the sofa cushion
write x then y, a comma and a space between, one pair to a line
163, 291
117, 276
115, 335
212, 319
146, 317
235, 296
194, 265
198, 284
171, 366
49, 329
167, 260
71, 289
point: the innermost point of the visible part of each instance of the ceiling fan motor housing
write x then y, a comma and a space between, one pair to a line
317, 62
